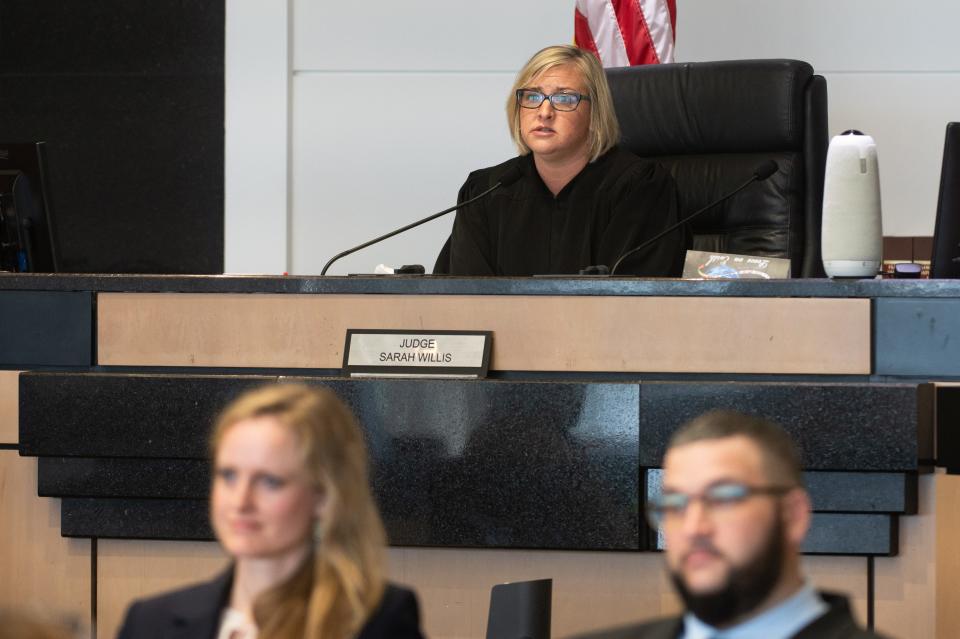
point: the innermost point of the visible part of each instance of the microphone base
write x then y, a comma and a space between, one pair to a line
578, 276
598, 269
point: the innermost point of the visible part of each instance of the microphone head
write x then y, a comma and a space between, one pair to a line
765, 170
510, 176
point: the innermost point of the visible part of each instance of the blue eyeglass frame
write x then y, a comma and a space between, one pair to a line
543, 96
723, 494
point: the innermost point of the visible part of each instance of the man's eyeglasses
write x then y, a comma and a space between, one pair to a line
530, 99
670, 507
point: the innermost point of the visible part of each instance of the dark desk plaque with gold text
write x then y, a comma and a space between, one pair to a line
407, 353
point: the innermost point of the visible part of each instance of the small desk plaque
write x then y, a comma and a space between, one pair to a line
727, 266
405, 353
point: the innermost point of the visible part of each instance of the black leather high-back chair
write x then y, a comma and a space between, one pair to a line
711, 124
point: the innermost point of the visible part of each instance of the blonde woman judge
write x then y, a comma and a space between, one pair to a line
574, 199
291, 505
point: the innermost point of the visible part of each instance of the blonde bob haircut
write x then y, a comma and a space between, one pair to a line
604, 128
339, 586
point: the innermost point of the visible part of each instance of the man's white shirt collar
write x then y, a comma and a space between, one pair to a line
780, 622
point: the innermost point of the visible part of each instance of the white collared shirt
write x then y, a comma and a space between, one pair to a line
236, 625
780, 622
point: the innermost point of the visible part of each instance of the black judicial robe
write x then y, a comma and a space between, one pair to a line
610, 207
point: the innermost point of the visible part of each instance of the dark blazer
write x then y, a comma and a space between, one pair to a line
836, 623
194, 613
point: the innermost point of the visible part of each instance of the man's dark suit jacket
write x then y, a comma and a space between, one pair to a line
836, 623
194, 613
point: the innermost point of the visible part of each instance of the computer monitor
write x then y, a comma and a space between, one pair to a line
945, 261
27, 233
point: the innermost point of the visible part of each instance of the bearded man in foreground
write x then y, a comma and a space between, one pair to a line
733, 513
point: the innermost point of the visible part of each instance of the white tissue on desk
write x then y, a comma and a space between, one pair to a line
383, 269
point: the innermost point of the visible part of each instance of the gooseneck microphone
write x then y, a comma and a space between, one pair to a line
760, 174
509, 177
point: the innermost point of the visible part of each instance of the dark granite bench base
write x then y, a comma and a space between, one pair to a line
474, 463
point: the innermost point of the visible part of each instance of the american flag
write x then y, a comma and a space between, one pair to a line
626, 32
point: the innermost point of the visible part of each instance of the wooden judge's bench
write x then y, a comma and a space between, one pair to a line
108, 385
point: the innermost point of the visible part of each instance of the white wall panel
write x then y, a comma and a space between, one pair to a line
892, 71
833, 35
495, 35
255, 141
907, 115
372, 152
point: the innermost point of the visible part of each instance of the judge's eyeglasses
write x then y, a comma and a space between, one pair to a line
530, 99
670, 507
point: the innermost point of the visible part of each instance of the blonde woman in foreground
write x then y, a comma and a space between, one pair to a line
291, 505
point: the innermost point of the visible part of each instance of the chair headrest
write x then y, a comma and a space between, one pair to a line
711, 107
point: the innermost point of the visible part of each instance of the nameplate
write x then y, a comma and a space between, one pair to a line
728, 266
403, 353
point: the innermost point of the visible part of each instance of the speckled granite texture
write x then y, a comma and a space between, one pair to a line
449, 285
152, 416
469, 463
854, 513
863, 427
888, 493
493, 464
135, 519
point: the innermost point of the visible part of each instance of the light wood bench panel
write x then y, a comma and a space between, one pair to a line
906, 585
39, 570
845, 575
453, 585
9, 407
591, 590
618, 334
947, 555
129, 570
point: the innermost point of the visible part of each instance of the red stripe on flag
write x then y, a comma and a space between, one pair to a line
672, 6
636, 35
582, 36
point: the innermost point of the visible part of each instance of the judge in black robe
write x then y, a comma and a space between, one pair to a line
581, 200
613, 205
